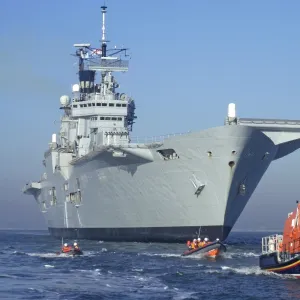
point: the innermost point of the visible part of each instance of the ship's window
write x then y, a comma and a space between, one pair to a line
66, 185
242, 189
98, 104
75, 106
73, 197
111, 104
123, 105
107, 118
104, 104
209, 153
89, 104
93, 104
265, 156
114, 118
168, 154
93, 130
231, 164
84, 105
119, 119
81, 105
118, 105
101, 118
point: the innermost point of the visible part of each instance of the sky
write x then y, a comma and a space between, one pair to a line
189, 59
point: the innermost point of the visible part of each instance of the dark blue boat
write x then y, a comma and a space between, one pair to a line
272, 262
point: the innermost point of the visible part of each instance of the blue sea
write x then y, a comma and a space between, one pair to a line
31, 269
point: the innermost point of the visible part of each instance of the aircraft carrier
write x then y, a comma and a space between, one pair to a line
100, 183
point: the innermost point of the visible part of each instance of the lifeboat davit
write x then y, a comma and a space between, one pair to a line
281, 253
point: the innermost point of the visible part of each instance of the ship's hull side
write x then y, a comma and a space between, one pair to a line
143, 234
130, 199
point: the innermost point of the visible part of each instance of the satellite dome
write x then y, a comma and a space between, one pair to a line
75, 88
64, 100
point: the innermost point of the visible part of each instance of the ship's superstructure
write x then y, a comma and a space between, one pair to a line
100, 184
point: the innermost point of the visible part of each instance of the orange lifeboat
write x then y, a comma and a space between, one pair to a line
281, 253
209, 249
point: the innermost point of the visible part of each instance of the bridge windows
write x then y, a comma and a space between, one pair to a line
100, 104
110, 118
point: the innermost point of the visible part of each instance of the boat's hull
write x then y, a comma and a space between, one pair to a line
71, 253
270, 262
132, 199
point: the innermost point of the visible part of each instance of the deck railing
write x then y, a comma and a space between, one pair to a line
274, 243
154, 139
271, 243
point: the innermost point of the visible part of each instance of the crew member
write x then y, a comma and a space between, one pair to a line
194, 244
199, 243
188, 243
76, 248
280, 246
66, 248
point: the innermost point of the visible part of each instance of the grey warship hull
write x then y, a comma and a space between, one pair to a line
133, 199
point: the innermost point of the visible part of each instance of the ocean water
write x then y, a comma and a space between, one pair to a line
30, 269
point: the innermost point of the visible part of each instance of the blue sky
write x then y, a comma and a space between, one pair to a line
189, 60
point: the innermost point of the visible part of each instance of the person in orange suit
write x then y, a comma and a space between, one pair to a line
188, 243
66, 248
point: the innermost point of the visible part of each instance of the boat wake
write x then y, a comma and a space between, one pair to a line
255, 270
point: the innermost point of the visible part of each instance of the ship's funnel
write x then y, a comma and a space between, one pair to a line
231, 110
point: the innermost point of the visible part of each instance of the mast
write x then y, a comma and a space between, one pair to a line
103, 46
